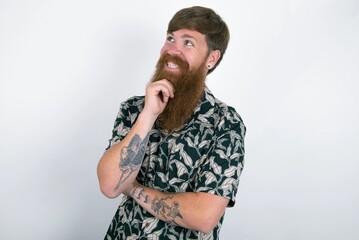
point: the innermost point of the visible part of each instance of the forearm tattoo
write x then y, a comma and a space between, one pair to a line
163, 207
131, 157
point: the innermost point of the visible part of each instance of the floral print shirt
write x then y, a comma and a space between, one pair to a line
205, 155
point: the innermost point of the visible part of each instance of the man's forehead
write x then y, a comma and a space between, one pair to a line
187, 33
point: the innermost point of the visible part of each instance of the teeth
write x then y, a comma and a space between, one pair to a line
172, 65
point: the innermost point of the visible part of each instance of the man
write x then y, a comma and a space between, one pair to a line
177, 153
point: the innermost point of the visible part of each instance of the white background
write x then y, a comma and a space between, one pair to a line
291, 71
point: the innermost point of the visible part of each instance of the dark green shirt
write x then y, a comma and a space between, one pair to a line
206, 155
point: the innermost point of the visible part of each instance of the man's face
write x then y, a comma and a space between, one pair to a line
187, 45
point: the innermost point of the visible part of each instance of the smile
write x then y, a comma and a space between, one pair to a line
171, 65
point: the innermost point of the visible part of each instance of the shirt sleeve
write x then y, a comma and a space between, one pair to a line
122, 125
220, 172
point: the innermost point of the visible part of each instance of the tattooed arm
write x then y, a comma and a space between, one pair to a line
196, 211
119, 165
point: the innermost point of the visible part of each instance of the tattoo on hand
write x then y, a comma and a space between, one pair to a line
131, 157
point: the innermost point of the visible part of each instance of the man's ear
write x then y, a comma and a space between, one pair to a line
213, 58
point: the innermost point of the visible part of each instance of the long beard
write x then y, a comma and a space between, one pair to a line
189, 86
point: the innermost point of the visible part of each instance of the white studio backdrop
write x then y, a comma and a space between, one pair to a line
291, 71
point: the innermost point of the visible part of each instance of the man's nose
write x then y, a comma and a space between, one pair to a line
174, 49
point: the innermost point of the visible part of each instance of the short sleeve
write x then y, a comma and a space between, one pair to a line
122, 125
219, 173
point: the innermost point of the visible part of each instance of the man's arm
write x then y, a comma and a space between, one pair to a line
197, 211
119, 166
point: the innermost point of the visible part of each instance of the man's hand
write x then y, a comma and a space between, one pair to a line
157, 96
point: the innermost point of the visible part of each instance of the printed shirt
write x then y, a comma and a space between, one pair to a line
205, 155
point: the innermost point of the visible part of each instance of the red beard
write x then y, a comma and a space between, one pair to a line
189, 86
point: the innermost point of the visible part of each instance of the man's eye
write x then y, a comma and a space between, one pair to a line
170, 39
188, 43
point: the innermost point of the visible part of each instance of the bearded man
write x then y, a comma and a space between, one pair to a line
176, 153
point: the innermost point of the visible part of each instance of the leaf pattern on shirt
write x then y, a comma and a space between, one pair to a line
207, 155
